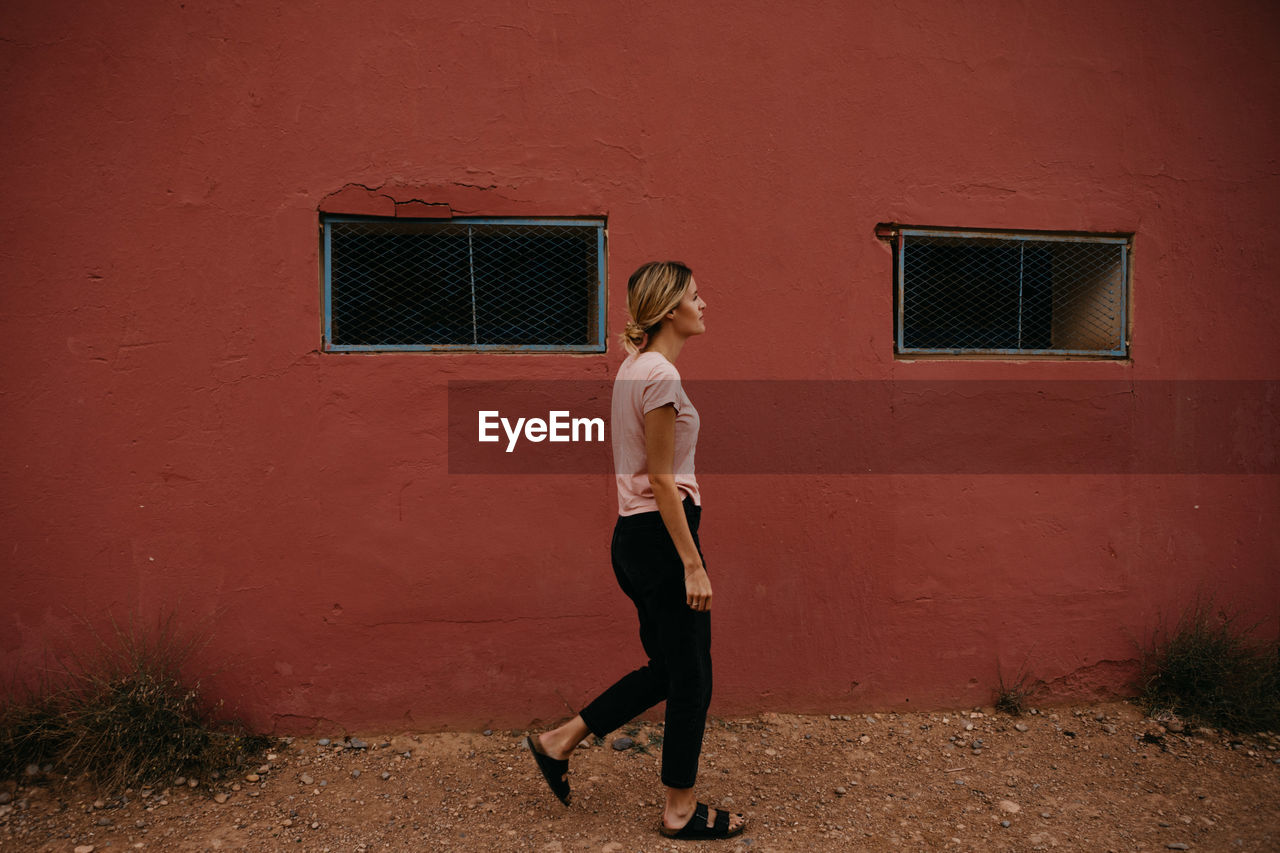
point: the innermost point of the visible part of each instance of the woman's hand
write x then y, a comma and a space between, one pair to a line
660, 443
697, 589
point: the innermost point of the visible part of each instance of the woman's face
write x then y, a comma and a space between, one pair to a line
686, 318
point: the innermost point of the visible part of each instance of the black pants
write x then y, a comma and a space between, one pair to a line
676, 639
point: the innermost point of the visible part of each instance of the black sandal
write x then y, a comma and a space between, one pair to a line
697, 830
554, 770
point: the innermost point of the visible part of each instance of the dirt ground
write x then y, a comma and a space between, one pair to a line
1096, 778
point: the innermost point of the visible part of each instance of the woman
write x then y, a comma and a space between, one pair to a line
656, 555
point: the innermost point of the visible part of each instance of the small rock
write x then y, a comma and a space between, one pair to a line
356, 743
99, 804
252, 777
286, 822
1109, 729
1045, 815
623, 743
1022, 727
840, 791
306, 779
612, 847
1175, 726
271, 756
324, 741
85, 848
191, 783
180, 781
104, 821
385, 775
5, 798
1177, 845
33, 770
1005, 824
355, 774
219, 798
1009, 806
488, 732
584, 745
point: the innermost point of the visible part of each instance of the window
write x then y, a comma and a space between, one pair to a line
962, 292
463, 284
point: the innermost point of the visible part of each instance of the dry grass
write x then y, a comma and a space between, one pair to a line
1011, 697
124, 714
1210, 669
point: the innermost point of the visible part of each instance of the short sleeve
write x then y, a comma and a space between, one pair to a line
662, 387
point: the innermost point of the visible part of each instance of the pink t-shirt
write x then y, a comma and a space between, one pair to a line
647, 381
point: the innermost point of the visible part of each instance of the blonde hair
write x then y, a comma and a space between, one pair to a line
653, 290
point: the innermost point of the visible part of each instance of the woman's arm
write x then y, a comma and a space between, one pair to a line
660, 450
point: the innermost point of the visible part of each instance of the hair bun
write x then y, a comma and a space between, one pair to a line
633, 335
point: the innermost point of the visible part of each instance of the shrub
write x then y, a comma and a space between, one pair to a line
1011, 698
125, 715
1211, 670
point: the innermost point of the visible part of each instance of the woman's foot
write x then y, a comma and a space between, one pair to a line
560, 742
706, 823
554, 770
679, 814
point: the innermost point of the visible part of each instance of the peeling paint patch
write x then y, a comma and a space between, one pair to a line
362, 200
1106, 679
358, 200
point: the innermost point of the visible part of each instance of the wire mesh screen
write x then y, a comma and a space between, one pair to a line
478, 284
966, 293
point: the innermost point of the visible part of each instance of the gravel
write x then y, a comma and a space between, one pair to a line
805, 783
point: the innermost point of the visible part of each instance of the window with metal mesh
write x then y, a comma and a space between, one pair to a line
966, 292
464, 284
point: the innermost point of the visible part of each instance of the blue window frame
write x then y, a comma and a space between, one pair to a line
961, 292
463, 284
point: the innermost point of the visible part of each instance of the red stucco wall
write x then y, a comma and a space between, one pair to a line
176, 440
